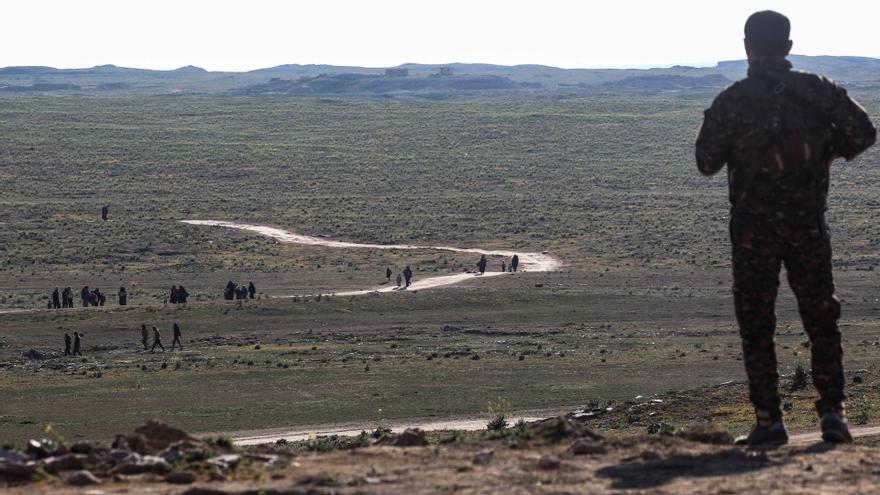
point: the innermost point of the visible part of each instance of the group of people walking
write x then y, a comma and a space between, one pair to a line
72, 346
505, 267
157, 338
404, 276
63, 299
234, 291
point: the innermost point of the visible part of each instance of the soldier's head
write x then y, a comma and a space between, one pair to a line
767, 35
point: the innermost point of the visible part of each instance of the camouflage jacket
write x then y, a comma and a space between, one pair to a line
778, 132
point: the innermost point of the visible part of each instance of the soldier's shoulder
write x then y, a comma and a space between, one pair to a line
812, 80
733, 94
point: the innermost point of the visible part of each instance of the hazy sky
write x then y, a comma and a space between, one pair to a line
241, 35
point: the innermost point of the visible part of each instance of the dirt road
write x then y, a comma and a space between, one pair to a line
294, 435
466, 424
528, 262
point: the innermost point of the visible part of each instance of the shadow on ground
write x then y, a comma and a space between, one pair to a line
655, 473
734, 461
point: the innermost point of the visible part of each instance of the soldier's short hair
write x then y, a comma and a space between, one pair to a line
768, 32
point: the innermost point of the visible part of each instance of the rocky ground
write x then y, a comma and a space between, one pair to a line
554, 456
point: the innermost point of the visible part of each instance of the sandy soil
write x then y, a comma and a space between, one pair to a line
528, 262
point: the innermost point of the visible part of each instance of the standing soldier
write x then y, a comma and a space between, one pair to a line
76, 344
145, 337
399, 280
252, 290
387, 275
123, 296
85, 294
503, 267
104, 212
407, 274
514, 262
157, 340
176, 337
778, 131
66, 344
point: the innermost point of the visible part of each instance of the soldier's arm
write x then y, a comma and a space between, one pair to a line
713, 144
854, 131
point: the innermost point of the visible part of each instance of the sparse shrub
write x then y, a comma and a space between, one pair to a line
860, 412
223, 442
380, 431
662, 429
800, 379
498, 411
521, 430
321, 444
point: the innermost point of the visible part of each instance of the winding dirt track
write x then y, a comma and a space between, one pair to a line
528, 262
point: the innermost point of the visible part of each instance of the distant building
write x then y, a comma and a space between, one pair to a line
444, 71
396, 72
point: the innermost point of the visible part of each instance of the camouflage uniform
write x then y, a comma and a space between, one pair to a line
778, 132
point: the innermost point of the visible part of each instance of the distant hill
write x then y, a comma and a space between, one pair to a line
295, 79
669, 82
376, 84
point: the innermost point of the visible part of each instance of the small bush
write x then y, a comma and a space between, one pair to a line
380, 431
800, 379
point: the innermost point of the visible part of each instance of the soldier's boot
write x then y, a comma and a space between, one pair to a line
767, 433
834, 428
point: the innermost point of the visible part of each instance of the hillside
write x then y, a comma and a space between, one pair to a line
295, 79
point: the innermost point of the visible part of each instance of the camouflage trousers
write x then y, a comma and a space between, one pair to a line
761, 244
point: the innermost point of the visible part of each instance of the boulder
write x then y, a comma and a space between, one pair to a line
411, 437
66, 462
39, 449
549, 461
226, 461
81, 448
181, 478
35, 355
11, 470
705, 434
483, 457
12, 456
159, 436
554, 430
82, 478
145, 464
584, 446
